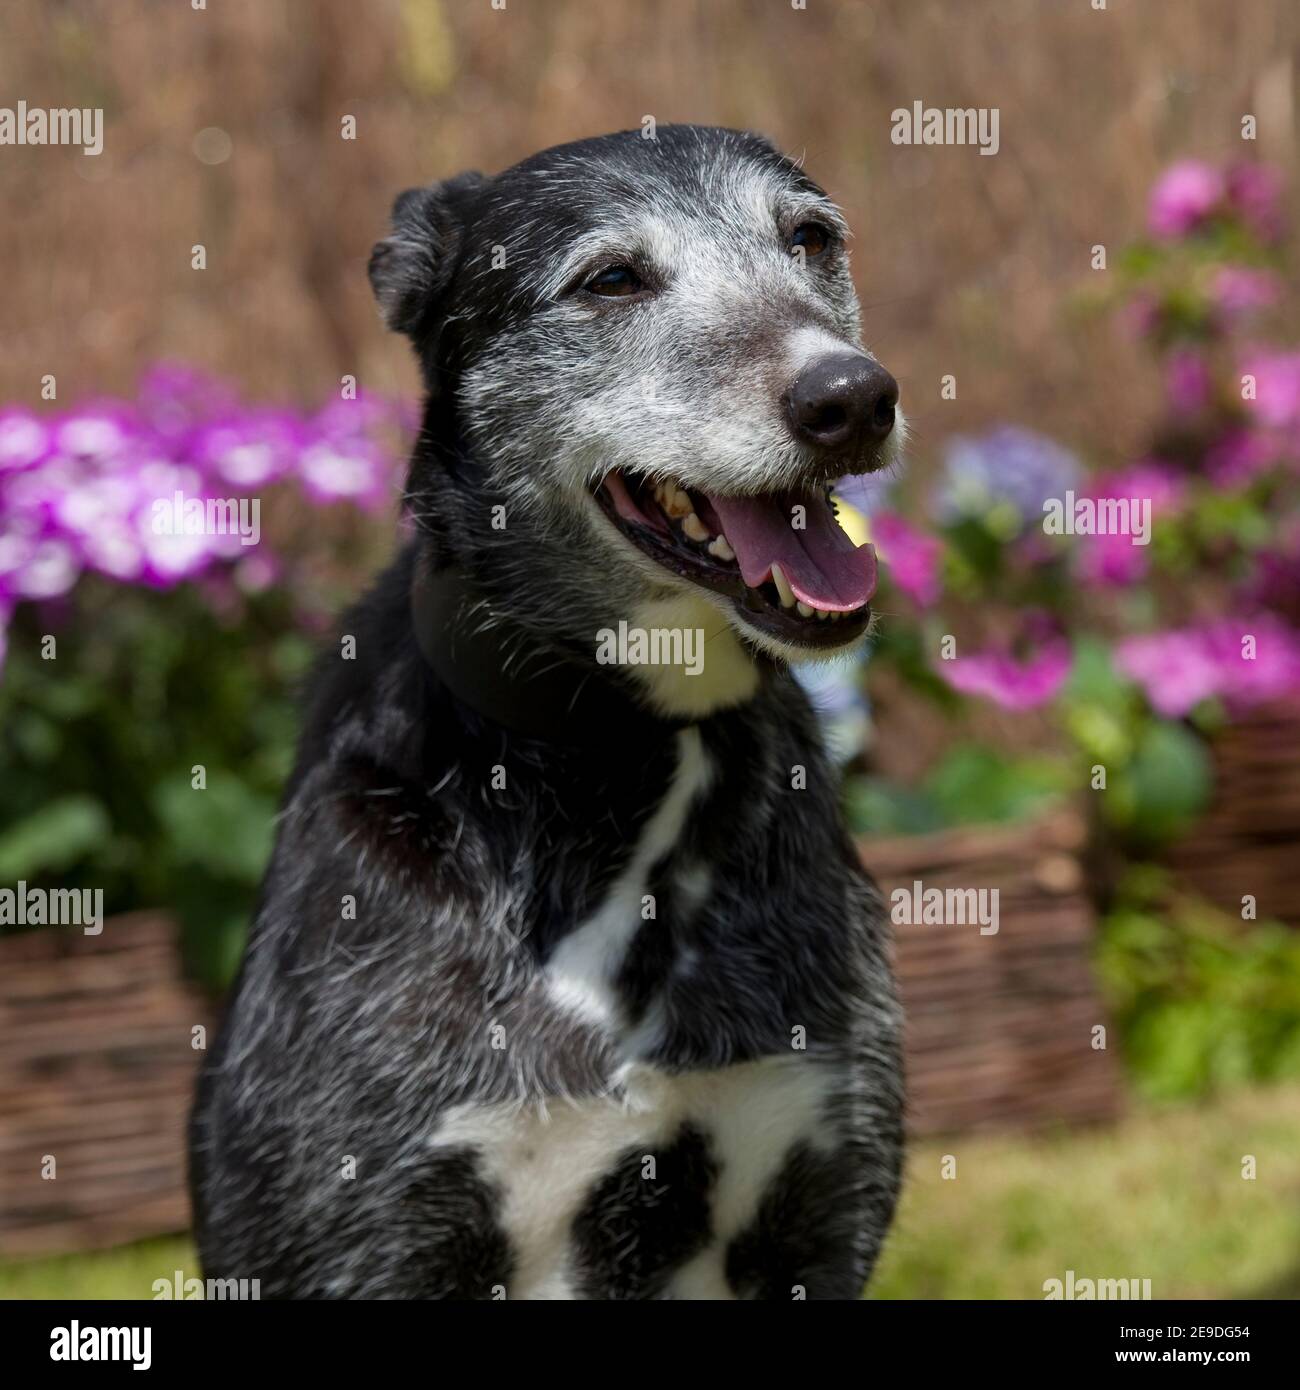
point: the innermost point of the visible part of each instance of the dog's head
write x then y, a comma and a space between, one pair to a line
644, 370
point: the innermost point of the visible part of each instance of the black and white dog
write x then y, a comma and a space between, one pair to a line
565, 981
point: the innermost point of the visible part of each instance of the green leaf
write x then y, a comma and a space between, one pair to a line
53, 838
876, 806
976, 784
1093, 679
226, 828
1170, 779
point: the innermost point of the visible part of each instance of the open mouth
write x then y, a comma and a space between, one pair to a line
781, 557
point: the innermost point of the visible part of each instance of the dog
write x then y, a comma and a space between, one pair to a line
565, 980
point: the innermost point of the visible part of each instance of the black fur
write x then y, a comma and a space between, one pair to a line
349, 1039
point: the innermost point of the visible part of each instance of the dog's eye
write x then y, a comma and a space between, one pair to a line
813, 237
615, 282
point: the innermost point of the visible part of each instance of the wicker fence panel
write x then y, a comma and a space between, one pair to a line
1000, 1026
96, 1069
1248, 842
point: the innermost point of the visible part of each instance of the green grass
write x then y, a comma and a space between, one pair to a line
126, 1272
1159, 1196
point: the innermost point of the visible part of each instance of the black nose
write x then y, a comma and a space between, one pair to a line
842, 400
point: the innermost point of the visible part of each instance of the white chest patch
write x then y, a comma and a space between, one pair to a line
582, 971
546, 1160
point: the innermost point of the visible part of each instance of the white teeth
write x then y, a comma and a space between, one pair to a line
694, 527
721, 549
804, 610
783, 587
822, 615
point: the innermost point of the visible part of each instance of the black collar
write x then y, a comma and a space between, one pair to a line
493, 665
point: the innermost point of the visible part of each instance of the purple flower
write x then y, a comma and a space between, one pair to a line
176, 399
96, 515
171, 553
912, 558
94, 489
360, 418
33, 565
249, 451
1015, 676
1008, 468
349, 471
96, 433
1184, 197
24, 440
1238, 455
1255, 195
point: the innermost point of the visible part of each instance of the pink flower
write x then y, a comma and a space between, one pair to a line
1274, 583
1239, 455
1016, 681
1188, 382
912, 557
1255, 194
1238, 291
1184, 197
1173, 668
1152, 490
1242, 661
1277, 387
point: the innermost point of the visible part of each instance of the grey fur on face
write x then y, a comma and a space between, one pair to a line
556, 389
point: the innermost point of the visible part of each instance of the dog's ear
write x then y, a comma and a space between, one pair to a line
412, 267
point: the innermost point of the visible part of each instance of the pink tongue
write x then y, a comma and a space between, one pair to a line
824, 567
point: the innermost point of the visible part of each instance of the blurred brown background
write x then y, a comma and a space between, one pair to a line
222, 127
